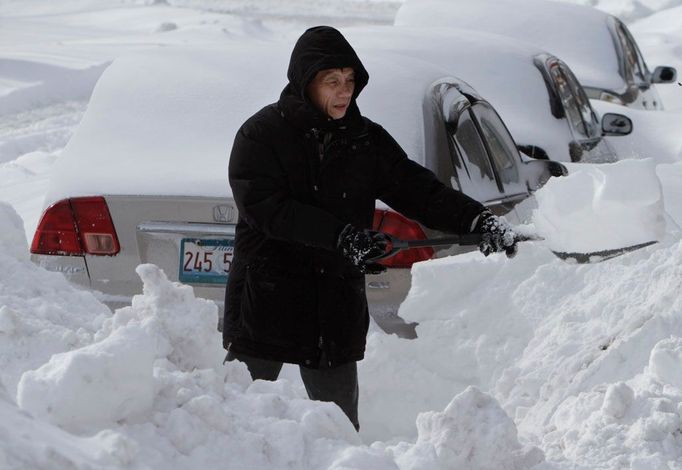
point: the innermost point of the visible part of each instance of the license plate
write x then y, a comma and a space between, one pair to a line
205, 261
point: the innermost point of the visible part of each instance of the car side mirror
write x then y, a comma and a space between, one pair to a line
664, 74
613, 124
533, 151
537, 172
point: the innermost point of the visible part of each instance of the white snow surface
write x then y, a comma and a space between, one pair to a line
176, 122
589, 50
598, 207
523, 363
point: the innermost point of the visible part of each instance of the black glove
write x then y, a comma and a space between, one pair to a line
359, 246
497, 235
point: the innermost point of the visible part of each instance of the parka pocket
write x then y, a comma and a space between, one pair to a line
278, 309
345, 311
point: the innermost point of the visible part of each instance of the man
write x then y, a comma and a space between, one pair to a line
305, 173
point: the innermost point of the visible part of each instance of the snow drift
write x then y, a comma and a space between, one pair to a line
581, 362
40, 312
152, 389
601, 207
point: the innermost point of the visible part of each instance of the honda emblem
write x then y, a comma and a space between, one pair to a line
223, 213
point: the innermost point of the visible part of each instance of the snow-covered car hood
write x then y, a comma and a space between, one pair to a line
162, 123
576, 34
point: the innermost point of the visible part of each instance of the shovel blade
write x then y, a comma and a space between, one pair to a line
599, 256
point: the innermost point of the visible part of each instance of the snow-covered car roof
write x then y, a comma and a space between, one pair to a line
499, 68
577, 34
163, 123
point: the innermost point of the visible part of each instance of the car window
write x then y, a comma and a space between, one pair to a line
501, 146
467, 142
569, 101
634, 62
468, 138
582, 102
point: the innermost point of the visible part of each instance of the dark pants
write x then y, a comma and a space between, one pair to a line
337, 384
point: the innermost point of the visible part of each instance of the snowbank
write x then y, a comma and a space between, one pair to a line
655, 134
601, 207
95, 386
111, 379
158, 364
152, 389
36, 84
40, 312
23, 183
552, 342
472, 432
26, 442
584, 359
464, 339
12, 239
671, 179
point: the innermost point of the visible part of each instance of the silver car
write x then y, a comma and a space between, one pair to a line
598, 46
144, 178
536, 93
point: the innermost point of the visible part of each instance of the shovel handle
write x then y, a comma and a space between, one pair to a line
468, 239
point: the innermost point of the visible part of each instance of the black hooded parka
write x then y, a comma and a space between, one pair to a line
298, 177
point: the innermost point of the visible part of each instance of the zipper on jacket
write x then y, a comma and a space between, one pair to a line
314, 166
325, 353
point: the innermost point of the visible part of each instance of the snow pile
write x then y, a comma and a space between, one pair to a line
152, 389
654, 135
182, 327
664, 361
12, 238
40, 312
671, 179
111, 379
637, 424
472, 432
26, 442
23, 183
594, 327
464, 338
153, 376
93, 386
601, 207
584, 358
546, 339
36, 84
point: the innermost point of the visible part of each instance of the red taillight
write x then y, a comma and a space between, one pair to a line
57, 233
76, 226
395, 224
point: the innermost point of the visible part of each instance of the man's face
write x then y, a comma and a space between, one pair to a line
331, 91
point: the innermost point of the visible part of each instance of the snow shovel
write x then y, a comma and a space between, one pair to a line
473, 239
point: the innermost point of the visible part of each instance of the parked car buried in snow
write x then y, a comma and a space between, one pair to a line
144, 178
598, 46
536, 93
